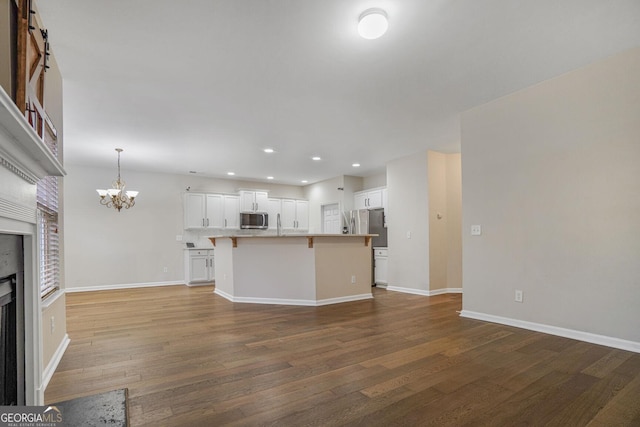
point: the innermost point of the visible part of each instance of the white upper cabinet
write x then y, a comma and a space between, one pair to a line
302, 214
211, 211
253, 201
215, 211
231, 212
274, 208
194, 210
222, 211
295, 214
370, 199
360, 200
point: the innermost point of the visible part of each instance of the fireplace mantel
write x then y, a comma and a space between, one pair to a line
21, 149
24, 160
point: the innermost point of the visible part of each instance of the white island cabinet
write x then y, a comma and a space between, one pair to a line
300, 269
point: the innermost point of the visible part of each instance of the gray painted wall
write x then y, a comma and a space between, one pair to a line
105, 247
552, 175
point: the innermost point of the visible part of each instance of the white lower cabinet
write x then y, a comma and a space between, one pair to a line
380, 266
198, 267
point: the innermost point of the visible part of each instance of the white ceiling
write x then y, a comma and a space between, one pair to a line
206, 85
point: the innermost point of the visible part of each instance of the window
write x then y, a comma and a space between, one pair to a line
48, 234
48, 244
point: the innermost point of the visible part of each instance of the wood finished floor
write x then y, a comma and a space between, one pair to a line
191, 358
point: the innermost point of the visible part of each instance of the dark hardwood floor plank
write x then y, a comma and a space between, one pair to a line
192, 358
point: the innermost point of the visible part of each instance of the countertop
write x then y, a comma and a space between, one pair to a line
238, 236
309, 237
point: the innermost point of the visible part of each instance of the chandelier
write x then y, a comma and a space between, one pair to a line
116, 197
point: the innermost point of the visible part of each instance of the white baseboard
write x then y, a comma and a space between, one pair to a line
281, 301
344, 299
425, 292
554, 330
121, 286
445, 291
53, 363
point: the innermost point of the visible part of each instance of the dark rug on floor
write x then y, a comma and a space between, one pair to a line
104, 409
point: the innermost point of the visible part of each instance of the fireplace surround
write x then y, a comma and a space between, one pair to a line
11, 321
24, 159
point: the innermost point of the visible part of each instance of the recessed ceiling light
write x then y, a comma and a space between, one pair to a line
316, 158
372, 23
304, 181
231, 173
269, 177
268, 150
356, 165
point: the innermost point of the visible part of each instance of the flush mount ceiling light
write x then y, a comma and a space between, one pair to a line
373, 23
116, 197
268, 150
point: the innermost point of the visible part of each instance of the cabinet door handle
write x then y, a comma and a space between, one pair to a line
225, 222
203, 222
207, 222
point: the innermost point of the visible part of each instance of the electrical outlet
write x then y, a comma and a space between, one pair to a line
165, 269
178, 237
476, 230
353, 279
519, 295
408, 234
53, 324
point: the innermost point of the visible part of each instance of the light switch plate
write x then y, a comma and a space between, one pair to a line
476, 230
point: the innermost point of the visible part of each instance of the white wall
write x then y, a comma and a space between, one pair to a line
104, 247
454, 220
408, 212
327, 192
323, 193
373, 181
552, 173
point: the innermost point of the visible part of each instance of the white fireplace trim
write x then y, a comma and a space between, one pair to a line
17, 211
23, 153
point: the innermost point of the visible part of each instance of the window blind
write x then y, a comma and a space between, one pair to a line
49, 242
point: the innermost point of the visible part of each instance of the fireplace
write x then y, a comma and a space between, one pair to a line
12, 337
24, 160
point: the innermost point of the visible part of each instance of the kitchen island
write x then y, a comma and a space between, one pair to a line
297, 269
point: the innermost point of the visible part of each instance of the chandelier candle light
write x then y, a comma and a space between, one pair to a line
116, 197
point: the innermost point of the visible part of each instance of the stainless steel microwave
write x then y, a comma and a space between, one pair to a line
255, 220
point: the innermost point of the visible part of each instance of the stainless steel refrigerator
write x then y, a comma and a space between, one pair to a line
369, 221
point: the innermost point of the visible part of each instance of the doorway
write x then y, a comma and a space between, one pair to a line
331, 219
